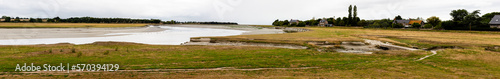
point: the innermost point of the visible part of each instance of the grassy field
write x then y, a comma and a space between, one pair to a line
401, 37
471, 62
65, 25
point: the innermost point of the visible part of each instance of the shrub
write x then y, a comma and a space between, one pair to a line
427, 26
416, 25
106, 53
397, 25
439, 27
73, 50
79, 54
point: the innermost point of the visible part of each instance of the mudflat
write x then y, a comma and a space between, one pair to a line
36, 33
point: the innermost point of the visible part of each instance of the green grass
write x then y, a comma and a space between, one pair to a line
150, 57
451, 63
471, 62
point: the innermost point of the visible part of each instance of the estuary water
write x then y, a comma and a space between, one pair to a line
171, 36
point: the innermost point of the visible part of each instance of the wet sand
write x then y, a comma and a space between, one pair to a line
37, 33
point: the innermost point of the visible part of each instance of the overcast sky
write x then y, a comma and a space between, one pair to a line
241, 11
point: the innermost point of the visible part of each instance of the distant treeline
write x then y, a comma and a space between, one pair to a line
105, 20
461, 20
101, 20
80, 20
351, 20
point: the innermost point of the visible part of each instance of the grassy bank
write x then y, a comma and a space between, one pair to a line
451, 63
399, 37
471, 62
65, 25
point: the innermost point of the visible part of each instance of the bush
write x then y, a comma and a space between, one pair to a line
79, 54
427, 26
73, 50
438, 27
301, 24
397, 25
374, 25
293, 25
416, 25
106, 53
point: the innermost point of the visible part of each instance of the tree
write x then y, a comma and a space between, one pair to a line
398, 17
486, 18
39, 20
349, 18
293, 24
301, 24
17, 19
7, 19
434, 21
355, 12
428, 26
32, 20
397, 25
57, 19
338, 22
459, 15
276, 22
362, 23
355, 18
416, 25
285, 23
331, 21
472, 18
490, 15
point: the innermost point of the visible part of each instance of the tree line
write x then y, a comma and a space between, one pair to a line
352, 19
104, 20
464, 20
461, 20
82, 20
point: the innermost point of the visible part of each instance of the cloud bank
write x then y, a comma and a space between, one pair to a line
241, 11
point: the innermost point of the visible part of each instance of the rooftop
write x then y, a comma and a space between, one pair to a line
495, 20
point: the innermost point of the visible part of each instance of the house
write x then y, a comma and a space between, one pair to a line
294, 21
403, 22
324, 23
408, 23
495, 23
416, 21
24, 20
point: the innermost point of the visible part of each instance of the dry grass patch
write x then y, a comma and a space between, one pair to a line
344, 34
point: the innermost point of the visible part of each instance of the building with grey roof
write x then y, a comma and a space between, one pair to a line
495, 22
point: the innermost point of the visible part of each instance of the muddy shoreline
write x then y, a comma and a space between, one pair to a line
40, 33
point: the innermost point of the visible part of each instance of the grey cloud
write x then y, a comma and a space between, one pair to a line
241, 11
